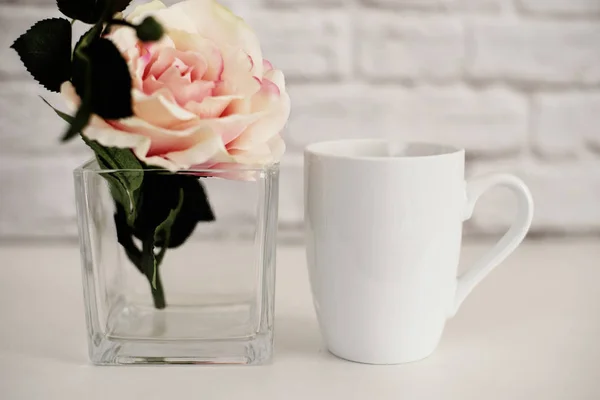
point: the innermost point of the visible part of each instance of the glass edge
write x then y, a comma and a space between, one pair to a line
89, 167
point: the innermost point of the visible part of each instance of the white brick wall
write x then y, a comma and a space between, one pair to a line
395, 46
562, 123
561, 7
437, 5
566, 196
321, 48
534, 51
489, 122
516, 82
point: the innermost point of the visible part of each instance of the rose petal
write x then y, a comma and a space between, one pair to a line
206, 48
268, 126
162, 141
124, 39
195, 145
267, 66
268, 92
210, 107
159, 63
196, 91
158, 110
277, 146
169, 18
67, 90
209, 147
261, 154
151, 85
240, 105
231, 127
197, 64
215, 22
143, 10
182, 89
242, 85
276, 76
228, 128
108, 136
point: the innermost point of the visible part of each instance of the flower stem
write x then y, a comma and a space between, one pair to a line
121, 22
158, 294
149, 265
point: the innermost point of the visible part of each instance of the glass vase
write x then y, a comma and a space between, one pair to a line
210, 299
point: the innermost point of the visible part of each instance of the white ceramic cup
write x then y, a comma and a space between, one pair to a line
383, 236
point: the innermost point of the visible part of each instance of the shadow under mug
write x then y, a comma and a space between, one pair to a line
383, 235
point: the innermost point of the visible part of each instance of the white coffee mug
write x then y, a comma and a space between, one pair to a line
383, 236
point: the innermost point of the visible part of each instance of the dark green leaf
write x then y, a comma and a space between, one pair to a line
74, 124
81, 75
163, 232
45, 50
74, 128
66, 117
80, 121
82, 78
196, 208
117, 158
124, 185
87, 38
120, 193
149, 30
125, 237
169, 208
109, 82
149, 264
119, 5
90, 11
160, 195
125, 182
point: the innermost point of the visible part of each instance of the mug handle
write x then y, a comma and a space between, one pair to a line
509, 242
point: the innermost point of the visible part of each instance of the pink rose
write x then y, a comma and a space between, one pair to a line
202, 96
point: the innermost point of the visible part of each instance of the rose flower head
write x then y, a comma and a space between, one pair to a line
203, 96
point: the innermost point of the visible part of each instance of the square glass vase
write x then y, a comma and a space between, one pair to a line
210, 299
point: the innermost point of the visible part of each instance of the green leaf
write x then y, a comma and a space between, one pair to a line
169, 208
121, 193
74, 127
102, 74
124, 185
151, 268
196, 208
160, 195
125, 237
126, 181
90, 11
149, 30
66, 117
82, 78
87, 38
45, 50
120, 5
80, 121
164, 231
117, 158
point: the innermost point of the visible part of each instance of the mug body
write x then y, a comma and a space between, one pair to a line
383, 233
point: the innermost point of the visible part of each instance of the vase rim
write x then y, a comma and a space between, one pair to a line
91, 165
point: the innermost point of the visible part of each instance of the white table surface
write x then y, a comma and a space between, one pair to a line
531, 330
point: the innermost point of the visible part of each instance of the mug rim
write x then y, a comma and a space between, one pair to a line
320, 149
